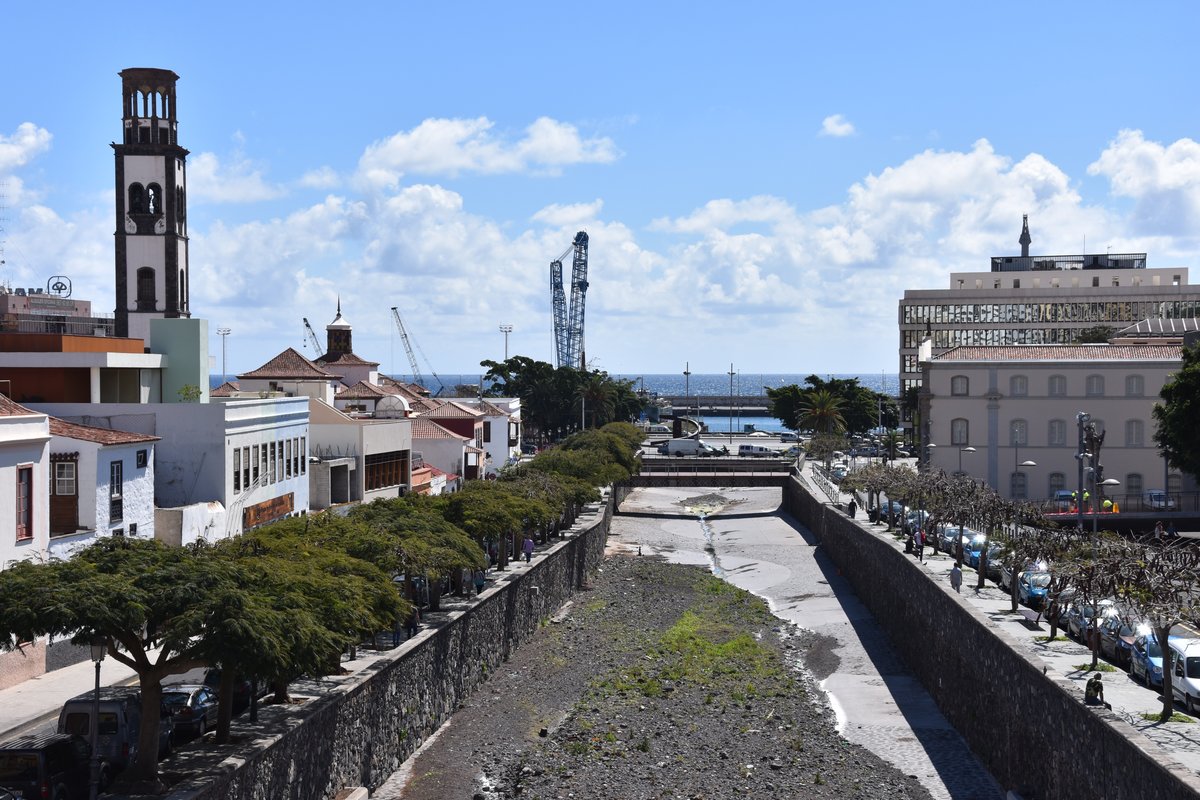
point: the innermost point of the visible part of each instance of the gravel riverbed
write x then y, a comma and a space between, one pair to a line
657, 681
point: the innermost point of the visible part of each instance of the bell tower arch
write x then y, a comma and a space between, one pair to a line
151, 204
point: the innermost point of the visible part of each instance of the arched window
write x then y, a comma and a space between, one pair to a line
1135, 386
145, 290
1056, 433
960, 385
1135, 433
1133, 484
1095, 386
154, 199
137, 199
1057, 386
1018, 432
960, 432
1018, 386
1058, 482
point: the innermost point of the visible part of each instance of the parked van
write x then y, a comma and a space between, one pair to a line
53, 766
688, 447
1158, 500
755, 451
120, 722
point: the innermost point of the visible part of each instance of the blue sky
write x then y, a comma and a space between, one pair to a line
760, 182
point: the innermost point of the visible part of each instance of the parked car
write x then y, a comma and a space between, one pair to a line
1146, 660
1064, 500
193, 708
1079, 617
1185, 673
241, 689
1157, 500
973, 549
788, 436
913, 520
120, 723
838, 473
947, 542
1032, 587
55, 766
1116, 639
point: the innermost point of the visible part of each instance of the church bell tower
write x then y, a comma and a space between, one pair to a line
151, 230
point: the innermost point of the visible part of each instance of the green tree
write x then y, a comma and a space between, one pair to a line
1177, 434
821, 411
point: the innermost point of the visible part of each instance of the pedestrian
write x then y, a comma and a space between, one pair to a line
956, 575
527, 549
480, 578
1093, 693
413, 622
397, 625
851, 508
919, 544
1158, 531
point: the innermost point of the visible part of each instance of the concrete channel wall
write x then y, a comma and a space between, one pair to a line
362, 731
1030, 729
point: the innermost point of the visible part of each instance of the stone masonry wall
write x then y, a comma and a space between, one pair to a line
1031, 729
361, 732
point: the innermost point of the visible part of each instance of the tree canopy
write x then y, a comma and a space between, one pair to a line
830, 406
1177, 434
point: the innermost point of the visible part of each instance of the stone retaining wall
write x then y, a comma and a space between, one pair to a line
1030, 729
362, 731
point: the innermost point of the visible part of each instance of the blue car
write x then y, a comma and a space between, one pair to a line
1145, 662
972, 551
1031, 589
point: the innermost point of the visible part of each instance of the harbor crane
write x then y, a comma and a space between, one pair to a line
310, 339
568, 321
412, 358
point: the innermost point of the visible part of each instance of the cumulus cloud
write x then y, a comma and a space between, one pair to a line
567, 216
1163, 180
320, 178
836, 125
239, 181
25, 143
451, 147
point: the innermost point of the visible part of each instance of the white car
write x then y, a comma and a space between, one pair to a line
1158, 500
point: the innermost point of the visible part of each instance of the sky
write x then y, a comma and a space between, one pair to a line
760, 182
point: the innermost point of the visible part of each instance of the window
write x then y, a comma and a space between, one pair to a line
959, 385
264, 467
303, 455
384, 469
133, 529
137, 199
145, 289
142, 458
1135, 386
487, 430
1057, 386
1018, 386
1095, 386
237, 470
1133, 484
64, 478
1135, 433
1018, 485
1058, 482
116, 491
274, 463
1018, 433
1056, 433
246, 467
959, 430
287, 458
24, 503
296, 457
254, 461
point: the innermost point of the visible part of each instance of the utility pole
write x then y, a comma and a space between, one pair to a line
224, 334
731, 374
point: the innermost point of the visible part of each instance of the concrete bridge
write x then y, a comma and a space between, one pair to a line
690, 472
751, 405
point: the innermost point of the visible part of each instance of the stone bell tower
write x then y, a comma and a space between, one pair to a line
151, 231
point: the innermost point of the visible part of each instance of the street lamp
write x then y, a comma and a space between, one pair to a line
224, 334
1081, 419
506, 330
99, 646
961, 450
1099, 498
731, 374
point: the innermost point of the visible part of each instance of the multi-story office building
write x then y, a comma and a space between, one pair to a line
1037, 300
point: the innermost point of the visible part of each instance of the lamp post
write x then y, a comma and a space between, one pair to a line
1096, 490
506, 330
687, 387
224, 334
1081, 419
99, 645
1017, 464
961, 450
731, 374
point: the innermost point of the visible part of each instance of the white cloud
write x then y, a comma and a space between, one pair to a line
569, 216
454, 146
28, 141
836, 125
1164, 181
321, 178
237, 182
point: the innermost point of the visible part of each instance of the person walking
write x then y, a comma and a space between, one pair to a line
480, 578
527, 549
852, 508
413, 623
956, 576
919, 544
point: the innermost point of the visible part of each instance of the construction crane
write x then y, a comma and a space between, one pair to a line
412, 358
568, 322
310, 339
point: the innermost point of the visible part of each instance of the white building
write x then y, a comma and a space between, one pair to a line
357, 457
24, 483
1019, 403
501, 430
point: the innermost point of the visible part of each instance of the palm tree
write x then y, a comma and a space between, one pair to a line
599, 397
821, 411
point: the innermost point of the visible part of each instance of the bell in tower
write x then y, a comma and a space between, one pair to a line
151, 194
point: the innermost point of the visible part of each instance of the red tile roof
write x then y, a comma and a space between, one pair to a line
428, 429
101, 436
1065, 352
11, 408
346, 359
362, 391
226, 389
289, 364
449, 409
